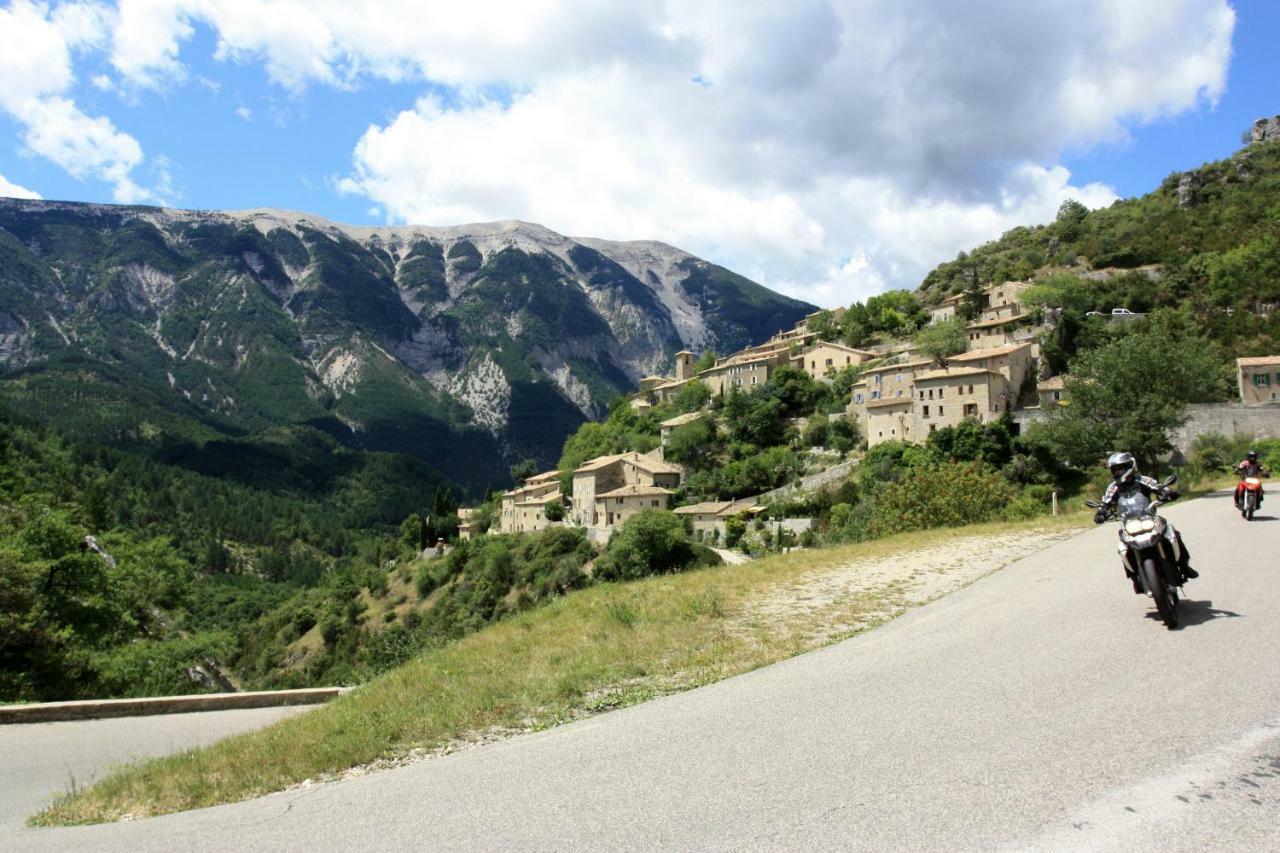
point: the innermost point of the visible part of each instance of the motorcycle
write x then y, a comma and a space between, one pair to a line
1147, 553
1250, 497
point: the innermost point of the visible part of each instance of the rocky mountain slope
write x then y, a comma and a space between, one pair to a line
467, 346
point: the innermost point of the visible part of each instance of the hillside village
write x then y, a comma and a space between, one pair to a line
900, 395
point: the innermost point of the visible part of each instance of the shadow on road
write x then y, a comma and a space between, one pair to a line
1264, 518
1191, 613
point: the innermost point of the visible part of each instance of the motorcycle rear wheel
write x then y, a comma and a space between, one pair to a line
1165, 595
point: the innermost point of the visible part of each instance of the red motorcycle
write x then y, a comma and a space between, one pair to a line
1250, 496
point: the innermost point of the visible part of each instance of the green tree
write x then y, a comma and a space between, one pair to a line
1070, 220
554, 511
1129, 394
706, 361
693, 444
692, 397
651, 542
523, 470
942, 340
824, 326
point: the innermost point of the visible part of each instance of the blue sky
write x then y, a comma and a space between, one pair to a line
827, 149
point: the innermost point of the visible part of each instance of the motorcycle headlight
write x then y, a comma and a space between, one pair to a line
1148, 524
1134, 526
1253, 481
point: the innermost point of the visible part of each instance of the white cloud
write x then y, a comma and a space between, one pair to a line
827, 147
9, 189
36, 46
244, 113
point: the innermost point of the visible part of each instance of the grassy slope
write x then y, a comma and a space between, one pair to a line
603, 647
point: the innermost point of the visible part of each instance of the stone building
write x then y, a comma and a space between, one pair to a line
824, 359
599, 477
524, 508
1259, 378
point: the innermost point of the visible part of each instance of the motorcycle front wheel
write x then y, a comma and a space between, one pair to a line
1165, 595
1250, 502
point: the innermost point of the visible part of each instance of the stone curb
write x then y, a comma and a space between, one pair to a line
48, 712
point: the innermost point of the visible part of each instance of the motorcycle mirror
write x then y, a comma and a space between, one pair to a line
1093, 504
1171, 479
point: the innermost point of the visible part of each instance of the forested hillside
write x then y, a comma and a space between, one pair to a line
469, 348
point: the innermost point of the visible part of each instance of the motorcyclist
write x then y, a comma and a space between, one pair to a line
1125, 478
1250, 467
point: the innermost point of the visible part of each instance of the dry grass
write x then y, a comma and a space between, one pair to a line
603, 647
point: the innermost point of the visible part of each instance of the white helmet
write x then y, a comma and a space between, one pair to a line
1123, 467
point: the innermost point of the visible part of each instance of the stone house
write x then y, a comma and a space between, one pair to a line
1012, 361
1259, 379
947, 396
524, 508
1004, 300
1051, 393
707, 519
824, 358
888, 420
744, 372
873, 397
615, 506
995, 332
946, 309
598, 477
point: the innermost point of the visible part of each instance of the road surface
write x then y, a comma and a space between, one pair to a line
1040, 708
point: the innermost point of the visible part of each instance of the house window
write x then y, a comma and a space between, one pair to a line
971, 409
970, 389
813, 365
753, 380
655, 503
930, 394
899, 394
899, 377
1057, 395
828, 364
619, 500
1261, 379
939, 411
857, 398
926, 411
933, 427
939, 393
875, 395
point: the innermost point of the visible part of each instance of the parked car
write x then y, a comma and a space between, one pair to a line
1121, 312
1093, 314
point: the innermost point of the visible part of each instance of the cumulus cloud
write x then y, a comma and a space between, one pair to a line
8, 189
36, 47
829, 148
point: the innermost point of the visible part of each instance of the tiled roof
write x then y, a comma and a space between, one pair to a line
681, 420
999, 321
991, 352
1052, 384
653, 466
953, 371
704, 508
635, 491
1255, 360
545, 499
544, 477
890, 401
890, 368
598, 463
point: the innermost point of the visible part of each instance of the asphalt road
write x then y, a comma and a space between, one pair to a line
38, 760
1040, 708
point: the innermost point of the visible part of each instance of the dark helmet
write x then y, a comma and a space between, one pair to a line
1252, 456
1123, 467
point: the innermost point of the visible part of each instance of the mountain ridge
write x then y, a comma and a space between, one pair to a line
494, 338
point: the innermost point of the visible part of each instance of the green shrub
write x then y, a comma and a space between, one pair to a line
651, 542
945, 495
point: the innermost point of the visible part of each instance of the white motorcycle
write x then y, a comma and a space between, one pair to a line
1148, 552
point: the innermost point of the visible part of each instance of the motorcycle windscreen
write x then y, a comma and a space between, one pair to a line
1133, 504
